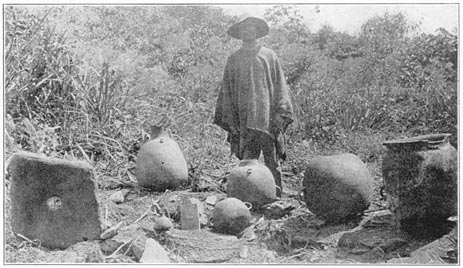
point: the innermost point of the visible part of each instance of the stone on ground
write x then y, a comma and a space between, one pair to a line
154, 253
211, 200
372, 244
132, 236
53, 200
201, 210
379, 219
117, 197
277, 210
83, 252
202, 246
189, 214
111, 231
438, 252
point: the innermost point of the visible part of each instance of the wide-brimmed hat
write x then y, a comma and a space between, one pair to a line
260, 25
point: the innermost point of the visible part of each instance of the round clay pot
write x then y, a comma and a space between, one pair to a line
231, 216
337, 187
252, 182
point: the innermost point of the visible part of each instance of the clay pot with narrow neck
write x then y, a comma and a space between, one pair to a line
160, 163
251, 181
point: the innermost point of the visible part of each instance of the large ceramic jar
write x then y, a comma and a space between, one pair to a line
420, 176
231, 216
251, 181
337, 187
160, 163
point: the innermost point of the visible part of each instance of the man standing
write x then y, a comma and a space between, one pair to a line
254, 104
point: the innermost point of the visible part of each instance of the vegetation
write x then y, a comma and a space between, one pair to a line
86, 82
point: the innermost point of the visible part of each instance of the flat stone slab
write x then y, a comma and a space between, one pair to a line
189, 213
437, 252
133, 237
202, 246
154, 253
83, 252
53, 200
371, 245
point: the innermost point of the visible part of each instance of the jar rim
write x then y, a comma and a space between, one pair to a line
431, 139
248, 161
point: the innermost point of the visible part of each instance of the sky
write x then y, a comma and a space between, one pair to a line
349, 17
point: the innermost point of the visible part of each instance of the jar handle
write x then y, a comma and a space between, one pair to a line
156, 209
248, 205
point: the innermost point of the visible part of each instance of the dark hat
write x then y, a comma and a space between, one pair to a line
260, 25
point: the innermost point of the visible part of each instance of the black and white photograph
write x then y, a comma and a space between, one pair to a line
231, 133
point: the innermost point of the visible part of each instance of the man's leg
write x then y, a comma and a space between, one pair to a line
256, 142
271, 160
252, 146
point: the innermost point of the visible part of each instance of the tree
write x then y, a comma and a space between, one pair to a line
288, 21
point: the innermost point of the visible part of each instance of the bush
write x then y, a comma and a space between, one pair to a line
92, 79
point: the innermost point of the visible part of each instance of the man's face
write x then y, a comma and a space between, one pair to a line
248, 33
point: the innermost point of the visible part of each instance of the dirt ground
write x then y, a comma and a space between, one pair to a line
300, 237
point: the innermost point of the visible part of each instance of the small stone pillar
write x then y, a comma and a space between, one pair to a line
53, 200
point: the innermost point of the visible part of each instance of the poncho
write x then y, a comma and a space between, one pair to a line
253, 92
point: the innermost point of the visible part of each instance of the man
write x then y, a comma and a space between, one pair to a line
254, 104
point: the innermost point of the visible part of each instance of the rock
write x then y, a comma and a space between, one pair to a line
211, 200
231, 216
202, 215
436, 252
189, 215
337, 187
277, 210
154, 253
109, 183
83, 252
160, 163
371, 245
202, 246
249, 234
132, 236
394, 243
117, 197
333, 239
380, 218
111, 232
53, 200
130, 195
244, 252
270, 256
